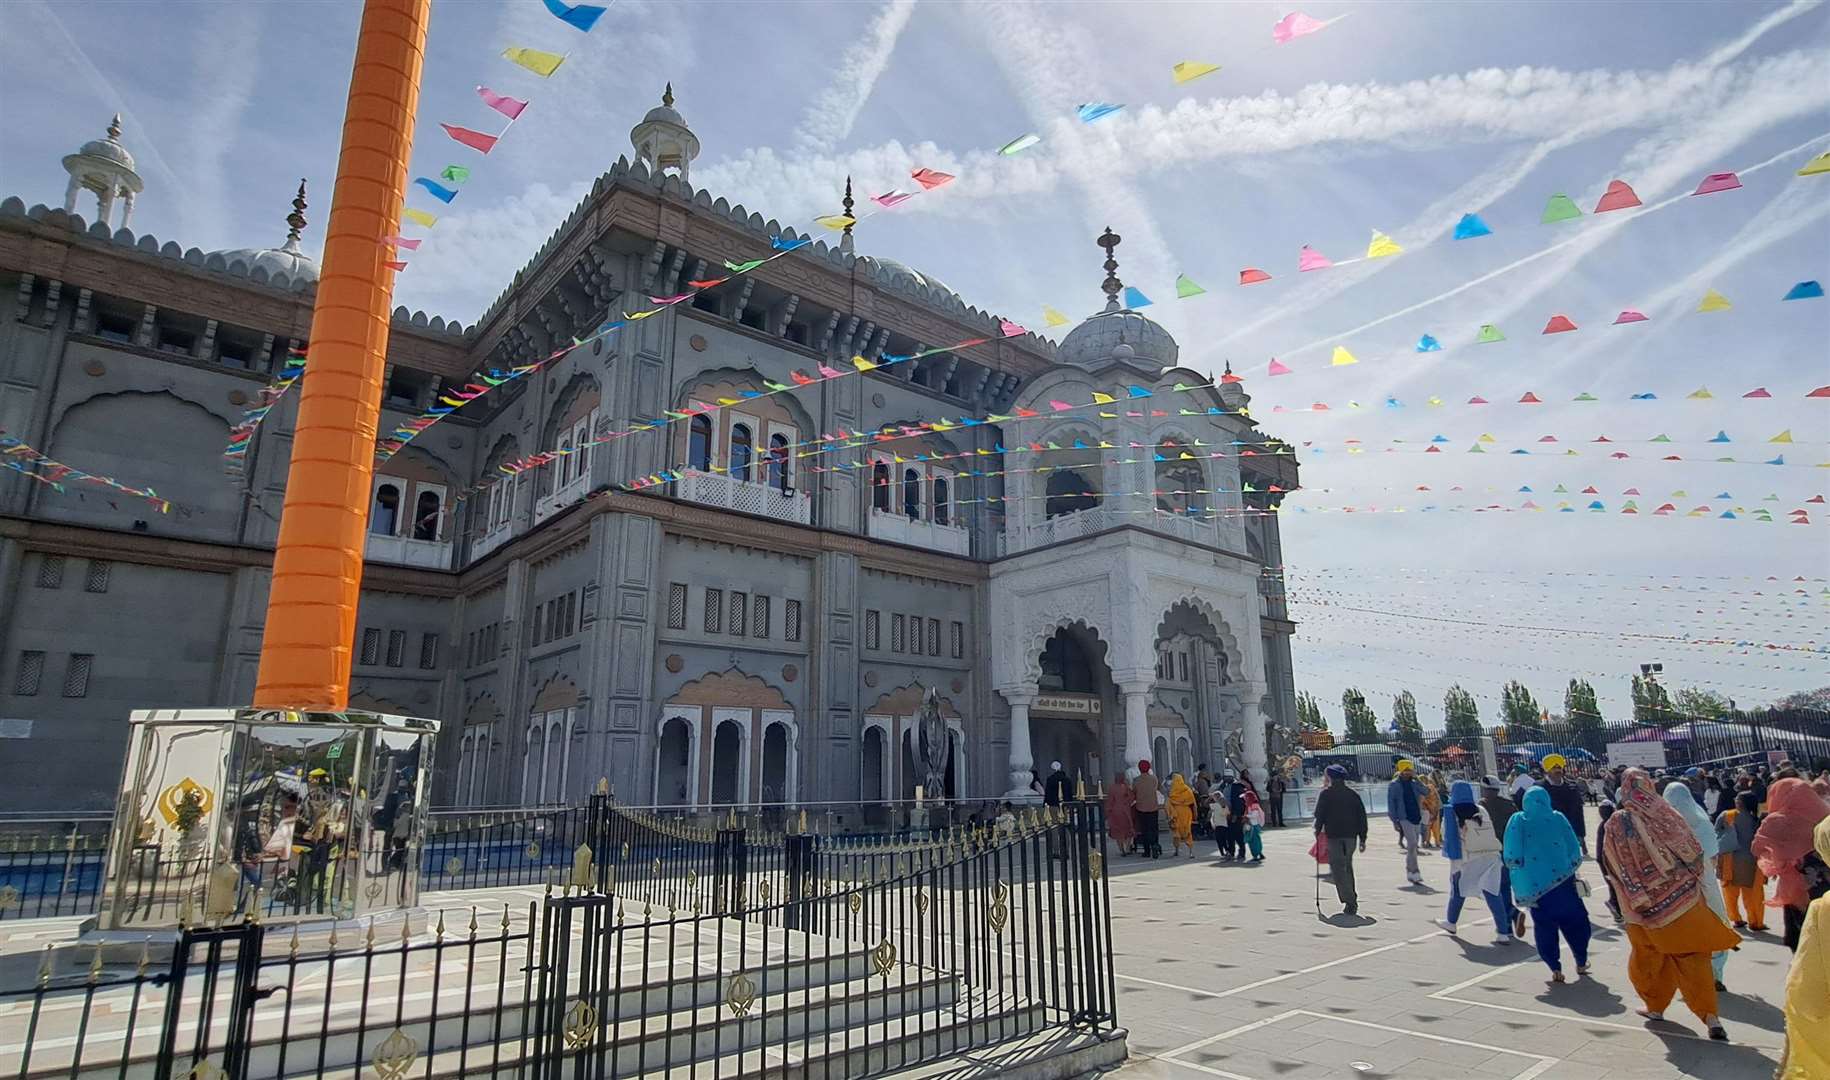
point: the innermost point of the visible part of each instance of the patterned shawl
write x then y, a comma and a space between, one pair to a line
1655, 859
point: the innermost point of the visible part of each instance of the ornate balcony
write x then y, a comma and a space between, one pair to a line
405, 551
730, 493
902, 529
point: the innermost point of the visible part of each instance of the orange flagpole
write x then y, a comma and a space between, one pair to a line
317, 569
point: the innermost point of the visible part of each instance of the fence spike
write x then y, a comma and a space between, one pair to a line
439, 930
95, 967
145, 957
44, 967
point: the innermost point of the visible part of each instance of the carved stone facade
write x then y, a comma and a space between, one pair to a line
757, 629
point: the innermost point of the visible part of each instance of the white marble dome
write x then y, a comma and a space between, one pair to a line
108, 149
896, 270
1122, 336
287, 259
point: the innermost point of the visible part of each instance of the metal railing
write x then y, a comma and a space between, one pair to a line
828, 966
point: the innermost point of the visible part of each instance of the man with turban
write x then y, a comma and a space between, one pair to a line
1565, 797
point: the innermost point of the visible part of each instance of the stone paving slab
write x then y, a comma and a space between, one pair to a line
1226, 970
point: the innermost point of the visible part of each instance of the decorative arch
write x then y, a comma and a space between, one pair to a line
906, 701
765, 413
570, 423
1038, 638
733, 688
1223, 634
409, 496
476, 748
363, 701
183, 463
1178, 479
557, 692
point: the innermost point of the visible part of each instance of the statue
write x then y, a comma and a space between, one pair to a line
931, 729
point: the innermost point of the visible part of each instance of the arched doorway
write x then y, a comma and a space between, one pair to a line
1192, 668
673, 767
1159, 753
870, 766
727, 763
775, 764
1074, 696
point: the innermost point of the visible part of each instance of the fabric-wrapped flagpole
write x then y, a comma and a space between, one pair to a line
317, 569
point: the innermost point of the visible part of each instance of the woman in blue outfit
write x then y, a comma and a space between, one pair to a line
1473, 851
1542, 856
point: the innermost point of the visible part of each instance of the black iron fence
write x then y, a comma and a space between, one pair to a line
830, 964
1741, 737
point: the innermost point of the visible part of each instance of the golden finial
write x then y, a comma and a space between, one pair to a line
439, 930
295, 221
667, 95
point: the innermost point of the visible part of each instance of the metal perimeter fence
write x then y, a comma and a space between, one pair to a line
720, 956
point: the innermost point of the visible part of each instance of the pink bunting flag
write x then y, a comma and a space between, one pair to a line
929, 179
1559, 324
1278, 368
670, 299
502, 103
1320, 406
891, 198
1059, 406
1757, 392
1619, 196
1531, 399
401, 242
1295, 25
1714, 182
1630, 316
1477, 400
1311, 259
829, 373
1010, 329
394, 264
476, 140
1252, 275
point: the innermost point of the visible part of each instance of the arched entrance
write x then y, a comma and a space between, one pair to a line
727, 763
673, 765
870, 766
1192, 696
1074, 695
775, 764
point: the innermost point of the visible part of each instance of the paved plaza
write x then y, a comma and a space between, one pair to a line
1224, 970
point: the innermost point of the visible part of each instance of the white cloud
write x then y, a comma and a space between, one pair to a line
221, 95
829, 118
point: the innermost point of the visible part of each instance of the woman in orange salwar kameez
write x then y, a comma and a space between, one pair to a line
1657, 867
1743, 885
1121, 814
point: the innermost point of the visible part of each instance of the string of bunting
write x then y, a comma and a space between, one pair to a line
55, 474
235, 453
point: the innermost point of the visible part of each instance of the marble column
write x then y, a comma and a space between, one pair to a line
1137, 724
1252, 732
1022, 758
71, 191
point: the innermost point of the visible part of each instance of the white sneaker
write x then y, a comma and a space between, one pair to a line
1445, 924
1415, 879
1504, 939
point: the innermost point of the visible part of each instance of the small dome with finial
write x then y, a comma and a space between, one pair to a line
289, 258
662, 140
1117, 334
109, 149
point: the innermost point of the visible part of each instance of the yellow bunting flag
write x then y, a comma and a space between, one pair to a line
1053, 317
1701, 393
1381, 246
1783, 437
1103, 399
419, 217
837, 221
1342, 357
1714, 301
862, 364
1190, 70
1817, 165
540, 63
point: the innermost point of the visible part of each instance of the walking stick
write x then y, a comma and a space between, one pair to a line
1318, 887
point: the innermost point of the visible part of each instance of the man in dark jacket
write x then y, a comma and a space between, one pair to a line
1340, 816
1565, 797
1055, 788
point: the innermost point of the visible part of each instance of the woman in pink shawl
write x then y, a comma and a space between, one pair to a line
1784, 837
1121, 816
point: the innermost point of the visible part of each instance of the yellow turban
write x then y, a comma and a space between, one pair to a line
1555, 761
1405, 766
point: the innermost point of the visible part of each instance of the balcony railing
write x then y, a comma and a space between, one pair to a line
902, 529
1020, 537
730, 493
406, 551
548, 505
493, 539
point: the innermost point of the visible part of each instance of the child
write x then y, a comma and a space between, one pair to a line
1254, 825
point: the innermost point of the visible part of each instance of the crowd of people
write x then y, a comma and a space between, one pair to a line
1687, 860
1225, 808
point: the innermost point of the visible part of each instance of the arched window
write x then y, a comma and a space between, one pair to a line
1178, 487
384, 519
1068, 493
743, 450
699, 443
426, 515
778, 463
880, 487
911, 494
941, 500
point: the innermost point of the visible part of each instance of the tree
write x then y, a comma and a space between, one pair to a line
1404, 719
1362, 725
1695, 704
1818, 699
1309, 713
1651, 702
1461, 717
1585, 726
1519, 712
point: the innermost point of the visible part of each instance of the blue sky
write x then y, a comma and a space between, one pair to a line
1402, 117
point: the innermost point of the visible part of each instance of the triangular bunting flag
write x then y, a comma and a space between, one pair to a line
476, 140
1020, 144
1277, 368
836, 221
1714, 301
1185, 287
418, 217
1619, 196
1342, 357
1053, 317
1471, 226
1310, 259
1382, 246
1805, 290
1757, 392
540, 63
1560, 208
1721, 436
1248, 276
1714, 182
1628, 316
582, 16
1134, 298
1489, 334
1701, 393
1559, 324
502, 103
1531, 399
1190, 70
1817, 166
929, 179
1295, 25
1585, 396
457, 174
1093, 110
1783, 437
1428, 343
444, 194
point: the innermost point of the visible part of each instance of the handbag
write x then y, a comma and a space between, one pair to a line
1319, 850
